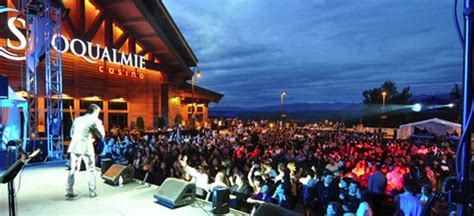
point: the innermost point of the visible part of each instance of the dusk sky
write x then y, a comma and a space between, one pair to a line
319, 50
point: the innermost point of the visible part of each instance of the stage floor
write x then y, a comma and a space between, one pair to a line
43, 187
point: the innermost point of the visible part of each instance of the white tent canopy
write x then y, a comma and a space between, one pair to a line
11, 108
434, 125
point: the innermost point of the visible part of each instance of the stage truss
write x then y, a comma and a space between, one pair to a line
43, 23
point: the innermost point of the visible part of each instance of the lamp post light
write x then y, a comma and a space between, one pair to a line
283, 93
384, 94
193, 83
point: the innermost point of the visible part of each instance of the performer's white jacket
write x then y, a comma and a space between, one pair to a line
81, 134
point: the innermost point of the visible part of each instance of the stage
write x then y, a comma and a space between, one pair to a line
43, 187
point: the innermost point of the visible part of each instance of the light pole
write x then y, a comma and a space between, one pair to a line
193, 107
282, 95
384, 94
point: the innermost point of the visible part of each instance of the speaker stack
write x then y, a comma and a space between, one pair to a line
3, 87
220, 200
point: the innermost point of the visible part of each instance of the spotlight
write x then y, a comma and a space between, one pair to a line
416, 107
451, 105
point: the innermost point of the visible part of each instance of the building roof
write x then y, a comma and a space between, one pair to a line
211, 95
150, 23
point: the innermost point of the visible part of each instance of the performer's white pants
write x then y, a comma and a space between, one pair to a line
76, 166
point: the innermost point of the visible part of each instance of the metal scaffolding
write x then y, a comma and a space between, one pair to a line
43, 23
54, 88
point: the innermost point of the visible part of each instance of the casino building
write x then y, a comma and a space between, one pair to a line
127, 56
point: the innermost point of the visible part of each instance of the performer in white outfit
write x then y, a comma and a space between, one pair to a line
82, 148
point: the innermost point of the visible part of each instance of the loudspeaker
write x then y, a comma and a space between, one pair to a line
273, 210
220, 200
174, 193
41, 143
7, 157
105, 164
113, 174
3, 87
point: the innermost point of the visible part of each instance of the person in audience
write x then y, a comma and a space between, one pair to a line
377, 186
364, 208
198, 176
351, 201
425, 193
344, 185
239, 188
255, 181
280, 196
332, 166
262, 196
406, 203
326, 191
307, 182
394, 180
334, 209
219, 181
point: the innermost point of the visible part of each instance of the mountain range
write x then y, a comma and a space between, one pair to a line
294, 107
337, 106
312, 111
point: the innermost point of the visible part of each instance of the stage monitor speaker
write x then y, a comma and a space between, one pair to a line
3, 87
174, 193
220, 200
273, 210
117, 171
105, 164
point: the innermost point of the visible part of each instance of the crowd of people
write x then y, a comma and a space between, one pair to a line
332, 171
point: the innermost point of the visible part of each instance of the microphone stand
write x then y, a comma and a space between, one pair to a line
9, 177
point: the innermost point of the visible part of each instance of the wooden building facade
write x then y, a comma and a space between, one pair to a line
158, 89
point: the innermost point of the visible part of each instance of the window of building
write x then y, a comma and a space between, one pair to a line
118, 105
85, 103
66, 103
118, 119
101, 115
200, 109
190, 109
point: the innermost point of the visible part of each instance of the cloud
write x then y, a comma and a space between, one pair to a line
319, 50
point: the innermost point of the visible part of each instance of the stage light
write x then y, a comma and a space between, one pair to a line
451, 105
416, 107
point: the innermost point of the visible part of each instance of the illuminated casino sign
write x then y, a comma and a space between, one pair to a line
86, 50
